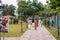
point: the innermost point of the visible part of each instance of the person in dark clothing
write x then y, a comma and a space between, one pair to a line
32, 20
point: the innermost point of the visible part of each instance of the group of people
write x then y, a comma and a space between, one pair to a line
35, 23
3, 24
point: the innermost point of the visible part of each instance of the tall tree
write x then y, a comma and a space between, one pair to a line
11, 10
54, 4
5, 9
29, 8
8, 10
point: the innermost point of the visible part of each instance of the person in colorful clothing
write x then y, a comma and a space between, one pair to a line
4, 21
36, 23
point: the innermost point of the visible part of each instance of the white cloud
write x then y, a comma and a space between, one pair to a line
42, 1
14, 2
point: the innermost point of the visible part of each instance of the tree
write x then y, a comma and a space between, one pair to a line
54, 4
11, 10
57, 3
21, 8
5, 9
8, 10
29, 8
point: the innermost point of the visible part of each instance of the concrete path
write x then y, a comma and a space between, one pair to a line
40, 34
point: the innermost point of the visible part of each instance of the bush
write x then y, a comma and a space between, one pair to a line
15, 21
46, 22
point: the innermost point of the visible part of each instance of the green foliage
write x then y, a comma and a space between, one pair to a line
53, 31
57, 3
46, 22
11, 10
8, 10
29, 8
28, 11
58, 10
15, 21
5, 9
54, 4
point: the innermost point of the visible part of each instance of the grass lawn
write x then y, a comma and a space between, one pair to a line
15, 30
53, 31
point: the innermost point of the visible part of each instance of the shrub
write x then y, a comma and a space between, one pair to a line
46, 22
15, 21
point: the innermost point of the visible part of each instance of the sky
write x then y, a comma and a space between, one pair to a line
14, 2
42, 1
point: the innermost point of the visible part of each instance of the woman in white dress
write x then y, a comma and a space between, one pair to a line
40, 23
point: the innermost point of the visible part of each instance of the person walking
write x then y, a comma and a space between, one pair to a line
32, 22
4, 21
36, 23
40, 23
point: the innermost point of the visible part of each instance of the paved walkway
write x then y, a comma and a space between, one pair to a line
40, 34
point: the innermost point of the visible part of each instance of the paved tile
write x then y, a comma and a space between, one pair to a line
40, 34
